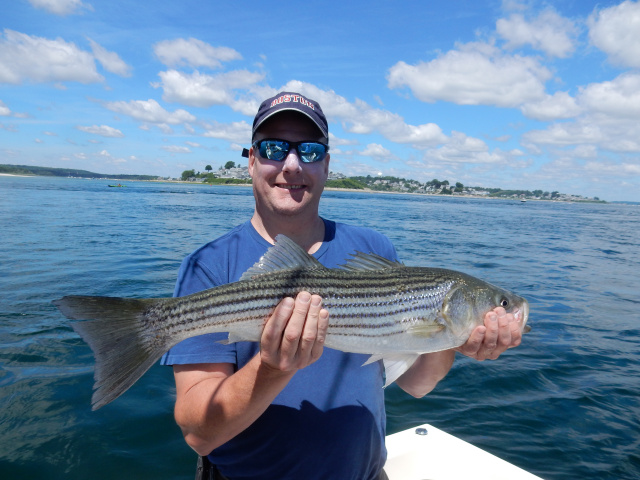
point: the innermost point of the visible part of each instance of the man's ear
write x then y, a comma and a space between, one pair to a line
252, 161
326, 164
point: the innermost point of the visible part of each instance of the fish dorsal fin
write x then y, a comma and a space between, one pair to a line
369, 261
284, 255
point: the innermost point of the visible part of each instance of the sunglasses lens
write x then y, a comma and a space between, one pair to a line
278, 150
312, 152
274, 149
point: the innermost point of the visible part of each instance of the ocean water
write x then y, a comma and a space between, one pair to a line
563, 405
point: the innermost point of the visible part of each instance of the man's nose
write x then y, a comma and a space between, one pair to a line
292, 162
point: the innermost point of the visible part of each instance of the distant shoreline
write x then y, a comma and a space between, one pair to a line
331, 189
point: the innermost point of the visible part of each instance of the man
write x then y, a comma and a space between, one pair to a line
287, 408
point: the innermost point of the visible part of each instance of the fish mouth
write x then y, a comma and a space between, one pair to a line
522, 315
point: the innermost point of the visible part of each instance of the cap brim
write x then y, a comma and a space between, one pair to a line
267, 117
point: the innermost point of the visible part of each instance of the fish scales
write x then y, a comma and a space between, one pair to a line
363, 295
376, 307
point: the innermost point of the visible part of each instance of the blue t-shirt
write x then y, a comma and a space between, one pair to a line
329, 421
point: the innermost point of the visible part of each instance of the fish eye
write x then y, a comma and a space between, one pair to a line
504, 302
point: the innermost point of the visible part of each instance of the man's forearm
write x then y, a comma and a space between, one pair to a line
215, 410
426, 372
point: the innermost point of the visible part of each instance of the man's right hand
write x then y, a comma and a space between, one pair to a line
214, 403
293, 337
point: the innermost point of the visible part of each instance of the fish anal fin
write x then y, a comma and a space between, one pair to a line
394, 364
238, 336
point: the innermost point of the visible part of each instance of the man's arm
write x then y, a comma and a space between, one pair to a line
214, 404
499, 332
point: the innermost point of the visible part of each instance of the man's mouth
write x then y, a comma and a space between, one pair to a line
290, 187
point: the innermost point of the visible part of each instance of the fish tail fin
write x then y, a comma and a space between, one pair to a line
123, 347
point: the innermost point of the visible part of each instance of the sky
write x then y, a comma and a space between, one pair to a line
512, 94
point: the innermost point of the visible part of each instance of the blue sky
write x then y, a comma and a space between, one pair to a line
518, 94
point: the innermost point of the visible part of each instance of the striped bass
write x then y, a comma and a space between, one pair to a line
376, 306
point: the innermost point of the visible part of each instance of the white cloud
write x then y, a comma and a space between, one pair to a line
4, 110
560, 105
60, 7
359, 117
464, 150
448, 154
619, 98
549, 32
336, 141
514, 6
608, 122
615, 170
460, 149
588, 134
110, 61
110, 159
583, 152
201, 90
377, 151
150, 111
30, 58
561, 134
474, 74
102, 130
392, 126
176, 149
237, 132
165, 128
616, 31
465, 144
194, 53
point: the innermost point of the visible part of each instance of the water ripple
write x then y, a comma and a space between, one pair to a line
565, 404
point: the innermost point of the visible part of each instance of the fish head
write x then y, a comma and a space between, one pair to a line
469, 300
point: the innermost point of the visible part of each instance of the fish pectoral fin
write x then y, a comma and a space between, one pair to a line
394, 364
426, 330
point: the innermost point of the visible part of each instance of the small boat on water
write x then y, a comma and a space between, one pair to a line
426, 452
118, 185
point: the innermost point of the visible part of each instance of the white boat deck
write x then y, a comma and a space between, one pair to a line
436, 455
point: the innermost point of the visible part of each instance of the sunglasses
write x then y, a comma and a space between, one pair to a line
277, 150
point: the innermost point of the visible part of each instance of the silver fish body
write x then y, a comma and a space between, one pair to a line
376, 307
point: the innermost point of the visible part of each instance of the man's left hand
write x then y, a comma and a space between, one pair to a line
500, 332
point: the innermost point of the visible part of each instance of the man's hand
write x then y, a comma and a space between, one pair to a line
294, 335
500, 332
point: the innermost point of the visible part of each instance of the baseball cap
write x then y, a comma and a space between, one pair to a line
289, 101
